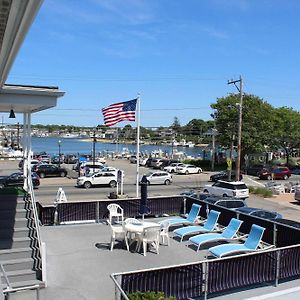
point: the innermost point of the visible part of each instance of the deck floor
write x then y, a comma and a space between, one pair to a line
79, 264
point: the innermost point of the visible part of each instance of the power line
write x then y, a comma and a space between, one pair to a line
154, 109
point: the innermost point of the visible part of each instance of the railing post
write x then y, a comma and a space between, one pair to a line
277, 266
118, 279
275, 234
184, 206
97, 212
44, 270
205, 270
55, 221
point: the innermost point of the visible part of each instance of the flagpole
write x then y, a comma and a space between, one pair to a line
138, 145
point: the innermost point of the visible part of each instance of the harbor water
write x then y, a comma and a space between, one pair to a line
84, 146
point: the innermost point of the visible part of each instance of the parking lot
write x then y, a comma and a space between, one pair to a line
46, 193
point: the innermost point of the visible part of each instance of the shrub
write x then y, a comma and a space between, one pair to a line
261, 191
12, 191
205, 165
149, 296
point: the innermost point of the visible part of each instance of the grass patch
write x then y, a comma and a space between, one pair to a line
262, 191
19, 191
149, 296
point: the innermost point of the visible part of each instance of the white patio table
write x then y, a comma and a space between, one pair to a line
137, 228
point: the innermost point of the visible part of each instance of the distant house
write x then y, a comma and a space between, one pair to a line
111, 134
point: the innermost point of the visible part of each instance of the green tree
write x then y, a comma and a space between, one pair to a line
286, 130
176, 125
257, 125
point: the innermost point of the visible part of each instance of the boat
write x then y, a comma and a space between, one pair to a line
70, 136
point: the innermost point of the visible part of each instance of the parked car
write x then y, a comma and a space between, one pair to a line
254, 169
236, 189
57, 160
172, 167
70, 159
110, 169
259, 212
17, 179
223, 175
167, 162
275, 173
98, 179
133, 159
231, 203
148, 162
90, 166
43, 158
159, 163
33, 162
188, 169
295, 170
49, 170
195, 194
297, 194
159, 177
288, 222
156, 163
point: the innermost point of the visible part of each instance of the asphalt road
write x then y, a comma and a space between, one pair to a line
47, 191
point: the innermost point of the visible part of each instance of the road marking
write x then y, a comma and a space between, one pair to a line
275, 294
254, 181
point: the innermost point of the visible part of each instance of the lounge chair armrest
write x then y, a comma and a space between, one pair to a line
200, 220
241, 236
265, 246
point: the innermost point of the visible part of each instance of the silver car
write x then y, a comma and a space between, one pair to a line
159, 177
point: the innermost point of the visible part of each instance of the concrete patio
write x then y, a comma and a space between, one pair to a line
79, 264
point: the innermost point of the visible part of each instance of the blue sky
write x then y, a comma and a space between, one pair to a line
177, 54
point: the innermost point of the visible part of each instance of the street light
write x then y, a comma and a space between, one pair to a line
59, 146
94, 146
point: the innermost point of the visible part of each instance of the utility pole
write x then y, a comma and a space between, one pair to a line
240, 120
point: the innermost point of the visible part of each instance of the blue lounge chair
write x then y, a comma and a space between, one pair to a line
228, 234
190, 219
251, 243
209, 225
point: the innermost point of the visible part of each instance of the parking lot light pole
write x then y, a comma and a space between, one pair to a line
59, 146
94, 147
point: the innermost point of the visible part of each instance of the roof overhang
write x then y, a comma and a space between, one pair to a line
28, 99
16, 18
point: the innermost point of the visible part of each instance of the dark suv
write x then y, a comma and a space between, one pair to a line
231, 203
49, 170
17, 179
223, 175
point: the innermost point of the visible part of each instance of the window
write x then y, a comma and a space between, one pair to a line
240, 187
264, 214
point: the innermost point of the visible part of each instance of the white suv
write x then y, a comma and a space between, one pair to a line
172, 167
100, 178
236, 189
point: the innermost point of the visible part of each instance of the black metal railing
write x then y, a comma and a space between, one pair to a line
213, 276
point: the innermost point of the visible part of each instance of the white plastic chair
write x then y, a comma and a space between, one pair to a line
117, 234
150, 236
164, 232
132, 236
116, 211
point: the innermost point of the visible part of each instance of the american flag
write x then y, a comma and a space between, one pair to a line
118, 112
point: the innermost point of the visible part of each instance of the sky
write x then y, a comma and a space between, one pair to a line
179, 55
